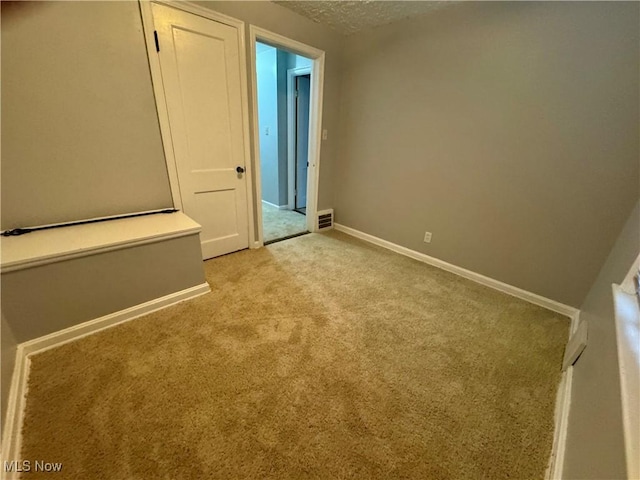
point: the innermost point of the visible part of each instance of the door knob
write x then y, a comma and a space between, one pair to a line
239, 169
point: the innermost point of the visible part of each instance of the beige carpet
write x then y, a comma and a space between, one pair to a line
317, 357
278, 224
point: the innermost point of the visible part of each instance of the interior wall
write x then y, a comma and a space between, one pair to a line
595, 442
80, 133
507, 129
74, 291
280, 20
268, 122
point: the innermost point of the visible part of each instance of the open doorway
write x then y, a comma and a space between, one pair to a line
287, 85
283, 96
298, 95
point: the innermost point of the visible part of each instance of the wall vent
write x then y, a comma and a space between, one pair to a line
325, 219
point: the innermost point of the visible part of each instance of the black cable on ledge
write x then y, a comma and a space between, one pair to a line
21, 231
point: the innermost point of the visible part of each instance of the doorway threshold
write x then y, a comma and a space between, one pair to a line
288, 237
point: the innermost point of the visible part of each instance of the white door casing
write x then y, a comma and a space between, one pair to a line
200, 65
315, 117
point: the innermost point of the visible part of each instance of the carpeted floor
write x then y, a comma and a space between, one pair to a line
317, 357
278, 224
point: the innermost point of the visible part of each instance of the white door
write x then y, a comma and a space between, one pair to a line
200, 66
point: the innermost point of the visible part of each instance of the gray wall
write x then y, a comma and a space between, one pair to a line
80, 134
508, 129
41, 300
595, 444
280, 20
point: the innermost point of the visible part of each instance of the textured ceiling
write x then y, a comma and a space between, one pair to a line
352, 16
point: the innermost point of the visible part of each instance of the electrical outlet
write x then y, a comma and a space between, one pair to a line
427, 237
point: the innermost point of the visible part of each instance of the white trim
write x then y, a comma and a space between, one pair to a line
561, 416
196, 9
118, 216
161, 101
315, 115
252, 179
627, 324
96, 251
628, 285
12, 435
575, 320
253, 85
279, 207
291, 131
463, 272
90, 327
563, 398
61, 244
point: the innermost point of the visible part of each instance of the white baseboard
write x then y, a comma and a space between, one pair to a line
575, 319
12, 435
463, 272
563, 398
70, 334
279, 207
561, 417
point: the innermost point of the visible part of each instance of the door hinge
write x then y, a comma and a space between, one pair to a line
296, 92
155, 37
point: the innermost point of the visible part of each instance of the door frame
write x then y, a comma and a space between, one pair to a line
292, 73
257, 34
148, 28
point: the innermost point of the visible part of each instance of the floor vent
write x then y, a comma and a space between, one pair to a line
325, 219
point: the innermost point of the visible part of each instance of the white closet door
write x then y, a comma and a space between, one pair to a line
200, 64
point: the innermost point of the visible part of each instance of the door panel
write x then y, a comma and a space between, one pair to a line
303, 84
200, 66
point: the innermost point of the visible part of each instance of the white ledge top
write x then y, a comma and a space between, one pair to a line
58, 244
